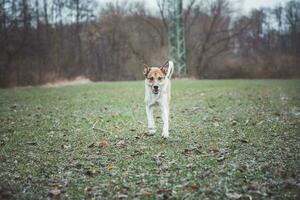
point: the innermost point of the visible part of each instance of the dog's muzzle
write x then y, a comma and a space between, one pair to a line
155, 89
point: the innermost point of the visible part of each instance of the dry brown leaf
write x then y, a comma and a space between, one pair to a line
213, 150
194, 187
147, 193
110, 167
103, 143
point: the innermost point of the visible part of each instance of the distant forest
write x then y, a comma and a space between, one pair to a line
47, 40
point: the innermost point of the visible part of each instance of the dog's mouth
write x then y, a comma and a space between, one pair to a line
155, 91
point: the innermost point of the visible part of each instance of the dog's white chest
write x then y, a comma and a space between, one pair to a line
156, 99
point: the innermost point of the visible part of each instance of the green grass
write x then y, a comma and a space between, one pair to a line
228, 139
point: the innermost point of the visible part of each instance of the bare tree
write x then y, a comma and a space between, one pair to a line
293, 21
47, 40
213, 28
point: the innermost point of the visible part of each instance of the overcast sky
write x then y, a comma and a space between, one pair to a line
242, 5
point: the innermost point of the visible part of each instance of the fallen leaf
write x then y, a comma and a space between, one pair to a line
194, 187
137, 152
66, 146
143, 135
221, 158
91, 145
160, 154
147, 193
93, 191
233, 195
253, 186
158, 157
247, 196
122, 196
87, 189
213, 150
149, 134
31, 143
121, 143
55, 192
233, 122
129, 157
139, 136
164, 194
216, 124
103, 143
110, 167
58, 183
244, 140
123, 193
164, 168
206, 191
90, 172
192, 148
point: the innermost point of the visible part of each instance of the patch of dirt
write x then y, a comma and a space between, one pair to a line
76, 81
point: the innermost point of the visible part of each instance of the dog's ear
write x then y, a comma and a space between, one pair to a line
146, 69
165, 67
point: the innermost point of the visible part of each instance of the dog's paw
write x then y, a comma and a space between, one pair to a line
165, 134
152, 131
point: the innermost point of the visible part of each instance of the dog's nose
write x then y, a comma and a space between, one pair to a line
155, 87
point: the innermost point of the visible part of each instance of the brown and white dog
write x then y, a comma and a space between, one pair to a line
158, 92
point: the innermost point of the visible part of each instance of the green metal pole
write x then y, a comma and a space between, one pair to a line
177, 51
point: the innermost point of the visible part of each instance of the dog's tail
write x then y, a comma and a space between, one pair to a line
170, 69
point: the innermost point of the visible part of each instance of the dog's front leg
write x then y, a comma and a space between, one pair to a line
165, 116
151, 123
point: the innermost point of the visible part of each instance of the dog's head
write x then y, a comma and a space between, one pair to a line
156, 76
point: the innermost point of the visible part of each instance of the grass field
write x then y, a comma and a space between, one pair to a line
235, 139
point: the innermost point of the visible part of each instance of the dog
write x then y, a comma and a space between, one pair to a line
158, 92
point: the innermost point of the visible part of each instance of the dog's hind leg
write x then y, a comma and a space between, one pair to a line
151, 123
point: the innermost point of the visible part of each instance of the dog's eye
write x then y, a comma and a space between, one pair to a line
160, 78
151, 78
